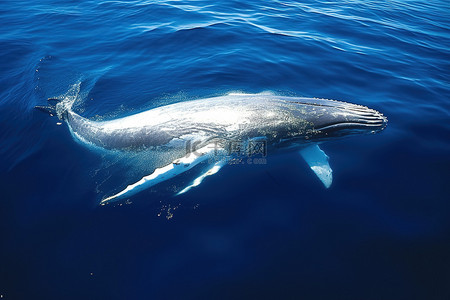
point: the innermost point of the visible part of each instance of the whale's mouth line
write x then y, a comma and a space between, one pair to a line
375, 122
373, 125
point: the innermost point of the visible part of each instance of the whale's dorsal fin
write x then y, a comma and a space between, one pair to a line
318, 162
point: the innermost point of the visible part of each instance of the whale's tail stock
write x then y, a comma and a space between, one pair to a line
59, 106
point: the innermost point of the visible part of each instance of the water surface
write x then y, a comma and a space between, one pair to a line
262, 231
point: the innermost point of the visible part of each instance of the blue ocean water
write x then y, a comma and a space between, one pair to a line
382, 231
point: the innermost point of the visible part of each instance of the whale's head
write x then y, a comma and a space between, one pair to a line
330, 119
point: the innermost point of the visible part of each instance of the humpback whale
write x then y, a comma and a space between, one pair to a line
182, 135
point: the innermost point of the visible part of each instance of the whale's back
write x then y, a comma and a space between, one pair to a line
234, 117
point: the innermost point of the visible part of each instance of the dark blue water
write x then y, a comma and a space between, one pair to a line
382, 231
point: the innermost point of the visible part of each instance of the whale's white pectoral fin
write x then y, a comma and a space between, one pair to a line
318, 162
177, 167
211, 171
